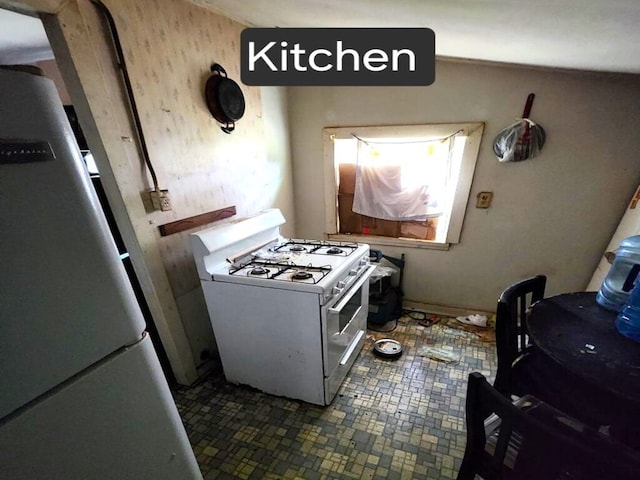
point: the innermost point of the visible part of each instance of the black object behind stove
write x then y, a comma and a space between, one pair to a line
385, 299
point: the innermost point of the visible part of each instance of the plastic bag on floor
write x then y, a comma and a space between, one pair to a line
439, 354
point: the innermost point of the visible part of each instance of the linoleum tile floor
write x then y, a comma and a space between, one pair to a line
391, 419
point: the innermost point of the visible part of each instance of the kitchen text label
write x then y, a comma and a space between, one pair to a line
338, 56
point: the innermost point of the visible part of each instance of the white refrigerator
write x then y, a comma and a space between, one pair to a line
82, 394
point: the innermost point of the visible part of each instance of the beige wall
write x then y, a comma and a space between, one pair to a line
553, 214
169, 47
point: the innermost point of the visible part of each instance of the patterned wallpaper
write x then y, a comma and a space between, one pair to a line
169, 47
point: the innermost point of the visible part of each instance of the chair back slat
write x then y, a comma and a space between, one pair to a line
511, 336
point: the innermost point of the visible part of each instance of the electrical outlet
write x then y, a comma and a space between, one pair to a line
165, 203
160, 200
483, 199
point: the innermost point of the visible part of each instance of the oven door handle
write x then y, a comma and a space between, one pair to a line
352, 347
353, 288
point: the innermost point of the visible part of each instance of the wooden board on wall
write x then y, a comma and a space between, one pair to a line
196, 221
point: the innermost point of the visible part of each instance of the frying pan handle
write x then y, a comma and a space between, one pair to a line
528, 105
228, 128
219, 69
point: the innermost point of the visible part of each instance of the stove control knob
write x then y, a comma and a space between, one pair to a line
336, 290
341, 285
364, 261
353, 273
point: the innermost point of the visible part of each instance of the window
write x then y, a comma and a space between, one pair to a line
406, 185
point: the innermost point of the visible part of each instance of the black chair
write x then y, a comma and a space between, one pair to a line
532, 440
511, 336
524, 370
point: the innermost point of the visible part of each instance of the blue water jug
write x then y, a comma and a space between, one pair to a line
628, 320
616, 287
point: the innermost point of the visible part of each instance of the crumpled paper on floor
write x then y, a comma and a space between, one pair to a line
439, 354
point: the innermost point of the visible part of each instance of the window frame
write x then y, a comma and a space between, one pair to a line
473, 132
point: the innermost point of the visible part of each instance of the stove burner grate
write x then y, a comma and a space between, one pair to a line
317, 246
284, 271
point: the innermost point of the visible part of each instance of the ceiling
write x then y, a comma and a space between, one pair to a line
22, 39
586, 35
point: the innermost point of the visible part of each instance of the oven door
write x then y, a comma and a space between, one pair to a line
344, 329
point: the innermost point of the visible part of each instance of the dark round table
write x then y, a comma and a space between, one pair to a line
580, 336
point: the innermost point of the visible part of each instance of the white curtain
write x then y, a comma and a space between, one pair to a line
402, 181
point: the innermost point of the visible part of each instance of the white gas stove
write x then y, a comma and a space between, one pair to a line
289, 315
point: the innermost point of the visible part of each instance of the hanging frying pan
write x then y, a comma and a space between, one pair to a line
224, 98
522, 140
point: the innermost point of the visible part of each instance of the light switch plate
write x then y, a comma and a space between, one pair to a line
483, 199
